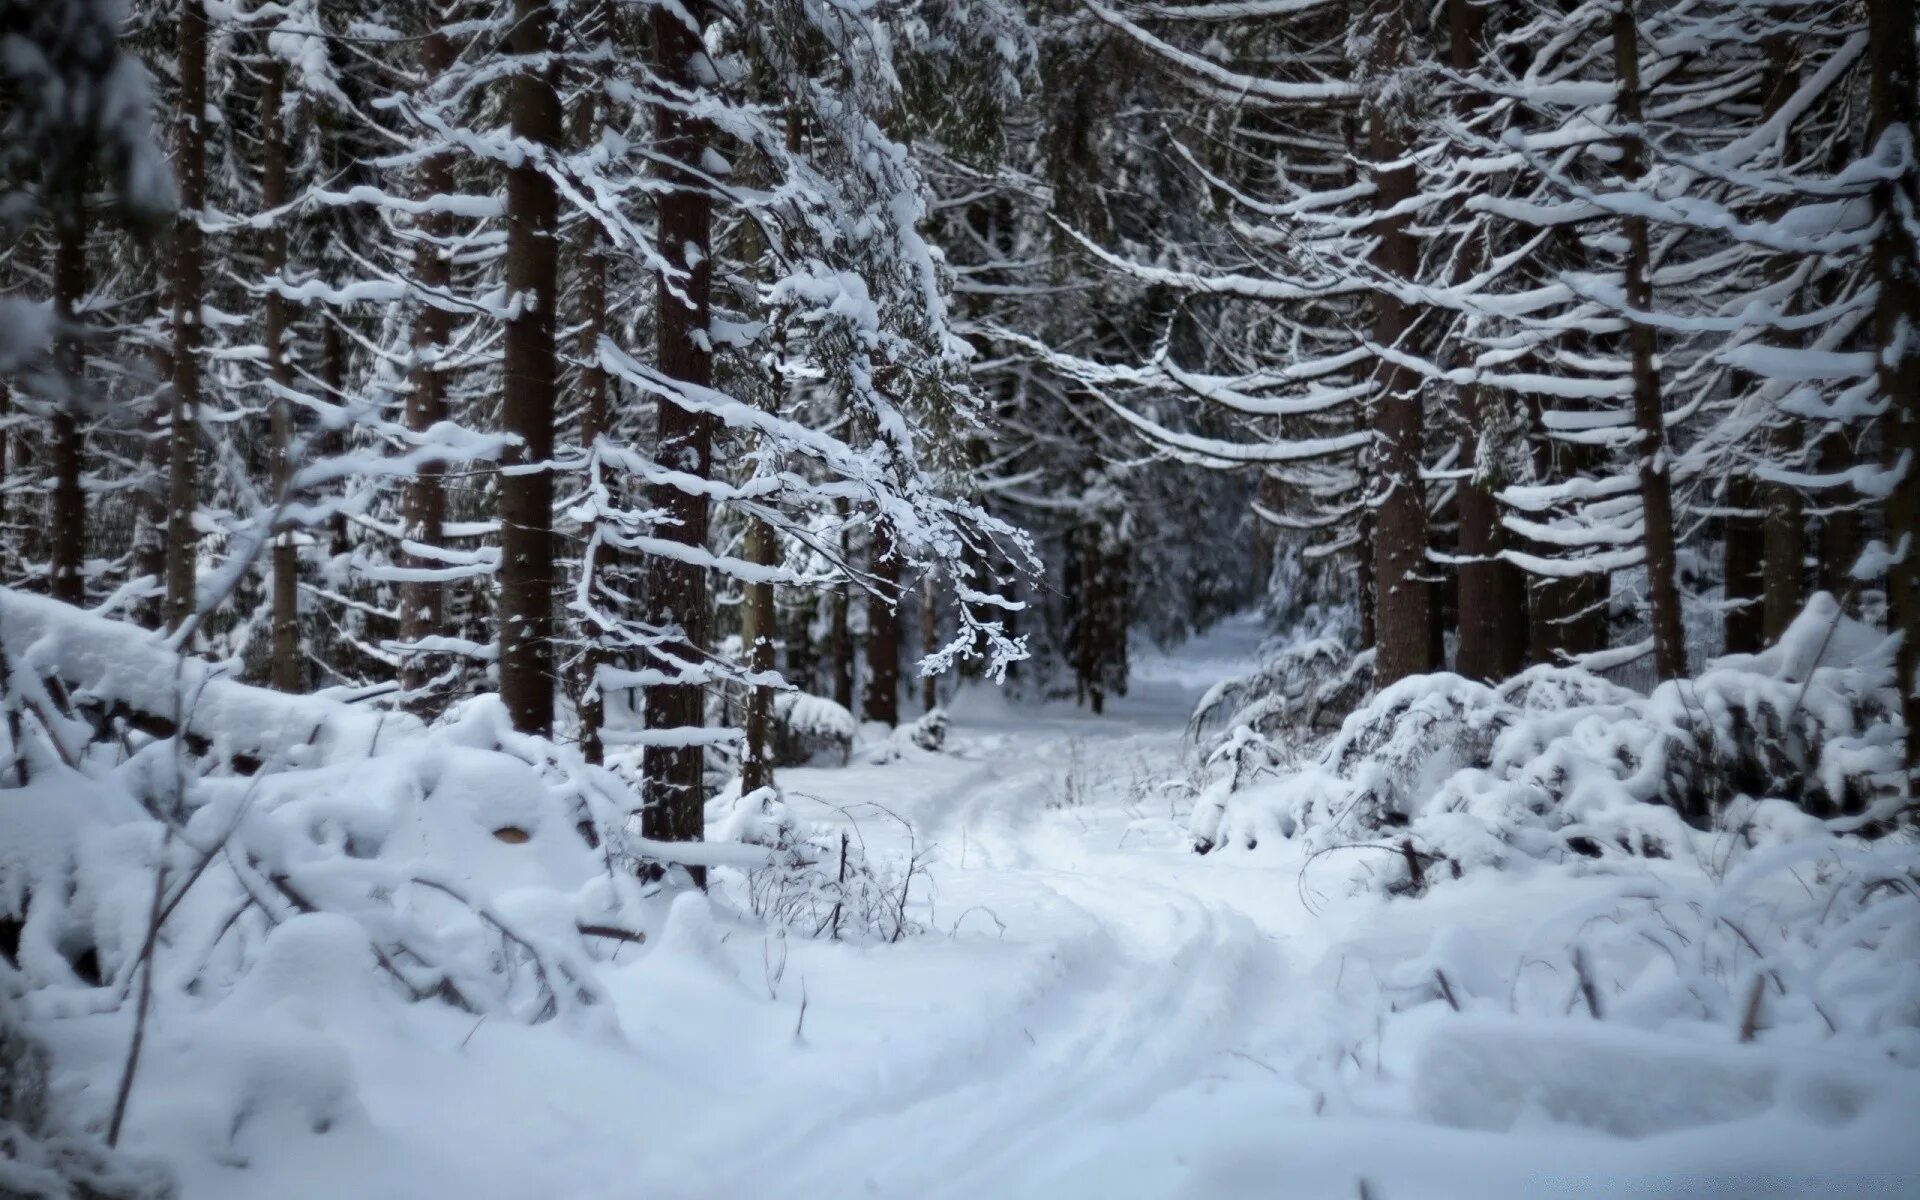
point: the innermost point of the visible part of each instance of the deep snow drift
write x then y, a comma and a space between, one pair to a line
1077, 1003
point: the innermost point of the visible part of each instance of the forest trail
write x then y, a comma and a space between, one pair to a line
1090, 1009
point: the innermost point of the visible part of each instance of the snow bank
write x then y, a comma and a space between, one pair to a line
1438, 775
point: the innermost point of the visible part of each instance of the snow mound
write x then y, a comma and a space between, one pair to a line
809, 728
1439, 775
42, 1156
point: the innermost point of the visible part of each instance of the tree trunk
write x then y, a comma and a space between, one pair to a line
1785, 532
880, 698
839, 632
1840, 524
423, 603
1893, 128
591, 257
1402, 598
526, 479
759, 627
1743, 627
1492, 591
67, 559
757, 632
6, 450
189, 294
285, 672
1363, 585
929, 640
676, 590
150, 516
333, 376
1649, 416
1785, 538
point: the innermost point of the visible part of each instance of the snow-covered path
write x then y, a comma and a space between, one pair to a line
1093, 1010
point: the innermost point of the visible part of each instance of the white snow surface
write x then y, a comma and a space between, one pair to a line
1090, 1009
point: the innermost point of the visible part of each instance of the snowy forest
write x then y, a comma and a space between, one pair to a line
959, 598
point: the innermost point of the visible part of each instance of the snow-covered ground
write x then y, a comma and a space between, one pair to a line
1091, 1009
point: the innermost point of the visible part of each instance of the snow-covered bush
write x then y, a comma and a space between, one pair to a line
1559, 763
1304, 688
809, 728
229, 850
1807, 943
817, 881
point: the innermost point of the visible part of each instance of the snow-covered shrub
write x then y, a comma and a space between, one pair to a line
1303, 688
1814, 942
809, 728
485, 868
926, 734
817, 881
1560, 763
929, 730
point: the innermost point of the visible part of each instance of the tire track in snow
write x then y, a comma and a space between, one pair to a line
1134, 988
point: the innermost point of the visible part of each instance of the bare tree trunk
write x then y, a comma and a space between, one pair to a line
1492, 591
591, 257
676, 590
286, 672
759, 627
1896, 263
67, 559
189, 335
1786, 556
1403, 599
526, 478
423, 603
839, 631
150, 519
1839, 525
1785, 532
333, 375
880, 698
1649, 416
929, 639
757, 632
1743, 626
1364, 585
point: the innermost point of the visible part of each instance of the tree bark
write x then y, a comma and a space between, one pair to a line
839, 631
6, 448
1649, 416
189, 294
1894, 122
1840, 523
929, 639
1785, 533
880, 698
1744, 544
285, 671
676, 590
1785, 540
150, 518
1363, 585
590, 256
424, 502
1492, 591
1403, 599
526, 479
757, 632
67, 560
